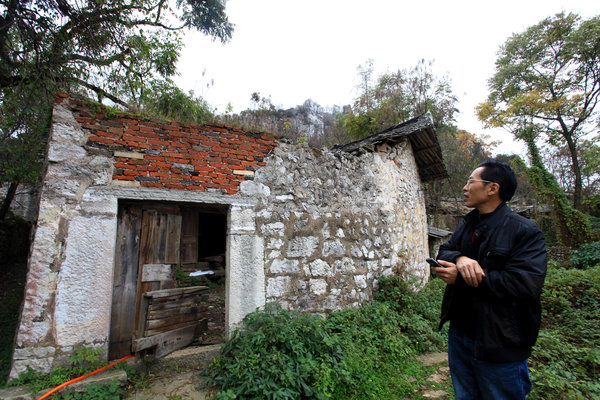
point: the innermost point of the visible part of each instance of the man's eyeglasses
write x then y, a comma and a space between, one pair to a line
471, 180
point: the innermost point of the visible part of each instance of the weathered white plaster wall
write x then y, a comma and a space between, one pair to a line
69, 282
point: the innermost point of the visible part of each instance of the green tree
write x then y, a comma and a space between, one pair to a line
398, 96
557, 160
162, 99
548, 78
463, 152
113, 49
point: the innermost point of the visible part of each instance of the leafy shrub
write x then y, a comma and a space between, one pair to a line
561, 369
353, 354
595, 222
587, 255
278, 354
418, 311
83, 361
571, 303
565, 363
110, 391
377, 355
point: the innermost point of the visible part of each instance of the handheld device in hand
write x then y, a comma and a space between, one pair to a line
434, 263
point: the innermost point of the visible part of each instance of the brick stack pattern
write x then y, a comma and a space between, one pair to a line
171, 155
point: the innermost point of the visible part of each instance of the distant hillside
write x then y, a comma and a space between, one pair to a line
307, 122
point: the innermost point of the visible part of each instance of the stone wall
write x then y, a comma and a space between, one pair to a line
333, 223
96, 160
310, 229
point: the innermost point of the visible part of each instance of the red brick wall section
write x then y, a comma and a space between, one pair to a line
172, 155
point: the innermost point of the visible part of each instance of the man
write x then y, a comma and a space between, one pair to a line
495, 265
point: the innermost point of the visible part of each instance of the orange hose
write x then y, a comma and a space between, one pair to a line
56, 389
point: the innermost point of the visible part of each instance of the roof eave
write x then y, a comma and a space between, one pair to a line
422, 135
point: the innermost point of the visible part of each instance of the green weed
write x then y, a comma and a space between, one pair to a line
587, 255
353, 354
83, 361
565, 363
278, 354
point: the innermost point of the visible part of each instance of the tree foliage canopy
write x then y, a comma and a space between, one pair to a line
548, 79
99, 44
398, 96
120, 50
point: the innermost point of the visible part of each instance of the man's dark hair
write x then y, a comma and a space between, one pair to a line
502, 174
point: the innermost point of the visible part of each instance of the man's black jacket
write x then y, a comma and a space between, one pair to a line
503, 314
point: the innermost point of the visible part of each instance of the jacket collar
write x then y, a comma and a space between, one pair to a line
500, 211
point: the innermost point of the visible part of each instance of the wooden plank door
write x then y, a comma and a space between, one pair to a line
122, 324
147, 247
159, 251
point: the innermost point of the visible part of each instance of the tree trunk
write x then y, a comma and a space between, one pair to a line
576, 171
10, 195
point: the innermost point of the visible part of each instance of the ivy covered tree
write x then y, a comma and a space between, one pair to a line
118, 50
572, 228
548, 79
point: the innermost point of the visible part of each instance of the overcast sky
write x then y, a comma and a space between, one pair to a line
292, 50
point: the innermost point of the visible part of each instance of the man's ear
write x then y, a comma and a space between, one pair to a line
493, 188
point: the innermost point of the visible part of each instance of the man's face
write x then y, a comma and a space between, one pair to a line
476, 191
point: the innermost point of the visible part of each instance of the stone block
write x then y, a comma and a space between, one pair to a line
320, 268
318, 286
356, 252
246, 276
17, 393
65, 151
274, 254
344, 266
273, 229
278, 287
83, 302
253, 188
242, 220
274, 244
285, 266
33, 352
360, 281
333, 248
129, 154
303, 246
42, 365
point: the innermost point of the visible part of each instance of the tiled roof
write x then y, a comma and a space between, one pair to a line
423, 138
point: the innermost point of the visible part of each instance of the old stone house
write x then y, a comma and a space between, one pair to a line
128, 203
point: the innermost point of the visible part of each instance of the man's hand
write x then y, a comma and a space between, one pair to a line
447, 274
470, 270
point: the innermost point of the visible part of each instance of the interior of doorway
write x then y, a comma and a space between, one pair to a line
210, 261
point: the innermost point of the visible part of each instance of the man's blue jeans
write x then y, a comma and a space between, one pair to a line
476, 379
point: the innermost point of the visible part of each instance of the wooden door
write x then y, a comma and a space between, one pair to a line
159, 250
148, 242
122, 324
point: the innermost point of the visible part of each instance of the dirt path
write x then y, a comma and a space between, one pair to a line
186, 383
172, 386
440, 380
